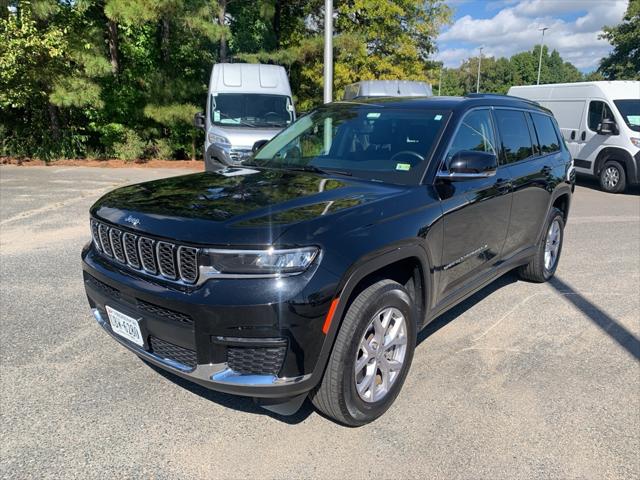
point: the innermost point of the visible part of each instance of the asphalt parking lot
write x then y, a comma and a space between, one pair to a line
520, 381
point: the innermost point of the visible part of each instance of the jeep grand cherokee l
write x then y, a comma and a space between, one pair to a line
309, 270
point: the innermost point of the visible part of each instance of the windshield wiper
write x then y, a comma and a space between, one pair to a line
240, 122
314, 169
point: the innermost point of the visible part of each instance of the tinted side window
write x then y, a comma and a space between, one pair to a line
547, 135
514, 132
597, 112
475, 133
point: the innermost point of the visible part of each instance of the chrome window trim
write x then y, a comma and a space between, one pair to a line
453, 176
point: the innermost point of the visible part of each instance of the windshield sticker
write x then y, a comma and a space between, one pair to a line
373, 115
438, 117
403, 167
234, 172
633, 120
216, 116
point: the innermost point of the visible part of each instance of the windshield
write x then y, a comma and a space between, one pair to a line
385, 144
630, 111
251, 110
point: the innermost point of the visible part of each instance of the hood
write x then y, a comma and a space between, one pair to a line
237, 206
245, 137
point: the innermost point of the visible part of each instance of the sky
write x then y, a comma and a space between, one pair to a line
505, 27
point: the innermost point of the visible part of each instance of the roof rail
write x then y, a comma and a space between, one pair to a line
498, 95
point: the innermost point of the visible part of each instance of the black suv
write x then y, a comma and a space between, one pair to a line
309, 270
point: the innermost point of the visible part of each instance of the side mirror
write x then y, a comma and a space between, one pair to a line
607, 127
472, 164
258, 145
199, 120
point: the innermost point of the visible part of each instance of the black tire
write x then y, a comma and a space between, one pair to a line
336, 395
613, 178
535, 270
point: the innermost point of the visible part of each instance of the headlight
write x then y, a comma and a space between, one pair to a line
218, 140
635, 141
269, 262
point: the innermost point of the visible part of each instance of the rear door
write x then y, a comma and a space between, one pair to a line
476, 210
530, 162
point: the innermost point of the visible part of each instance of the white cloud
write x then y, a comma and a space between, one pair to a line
515, 28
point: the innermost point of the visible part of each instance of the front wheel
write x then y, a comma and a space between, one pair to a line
543, 265
371, 356
612, 177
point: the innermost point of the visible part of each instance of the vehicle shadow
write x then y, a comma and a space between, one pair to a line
609, 325
593, 184
455, 312
605, 322
236, 402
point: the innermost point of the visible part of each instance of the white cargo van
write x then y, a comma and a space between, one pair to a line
600, 122
246, 103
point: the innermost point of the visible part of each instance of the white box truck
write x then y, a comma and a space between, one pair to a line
600, 123
246, 103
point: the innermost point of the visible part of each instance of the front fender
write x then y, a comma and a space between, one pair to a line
355, 274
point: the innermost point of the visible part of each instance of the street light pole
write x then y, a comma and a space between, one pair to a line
479, 63
440, 82
543, 29
328, 51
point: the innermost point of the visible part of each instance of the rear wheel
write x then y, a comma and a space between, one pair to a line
612, 177
543, 266
371, 356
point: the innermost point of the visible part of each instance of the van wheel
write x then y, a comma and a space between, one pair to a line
371, 356
543, 266
612, 177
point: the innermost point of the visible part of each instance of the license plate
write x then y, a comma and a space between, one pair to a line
125, 326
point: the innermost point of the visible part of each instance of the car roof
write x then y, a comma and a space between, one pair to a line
450, 103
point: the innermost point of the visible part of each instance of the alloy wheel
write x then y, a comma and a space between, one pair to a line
552, 245
381, 354
611, 177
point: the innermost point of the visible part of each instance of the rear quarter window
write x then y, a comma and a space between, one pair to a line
547, 135
514, 134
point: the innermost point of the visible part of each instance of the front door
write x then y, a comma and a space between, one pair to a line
476, 210
590, 140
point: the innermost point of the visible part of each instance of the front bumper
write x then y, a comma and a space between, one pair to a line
216, 318
217, 376
217, 157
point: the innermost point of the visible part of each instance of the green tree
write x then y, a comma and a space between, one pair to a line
497, 75
624, 61
372, 39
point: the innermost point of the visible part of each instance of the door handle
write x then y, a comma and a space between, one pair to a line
583, 136
573, 135
546, 170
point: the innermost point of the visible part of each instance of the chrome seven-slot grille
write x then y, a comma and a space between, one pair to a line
153, 257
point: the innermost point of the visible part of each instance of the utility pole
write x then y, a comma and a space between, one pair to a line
543, 29
440, 82
479, 63
328, 51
